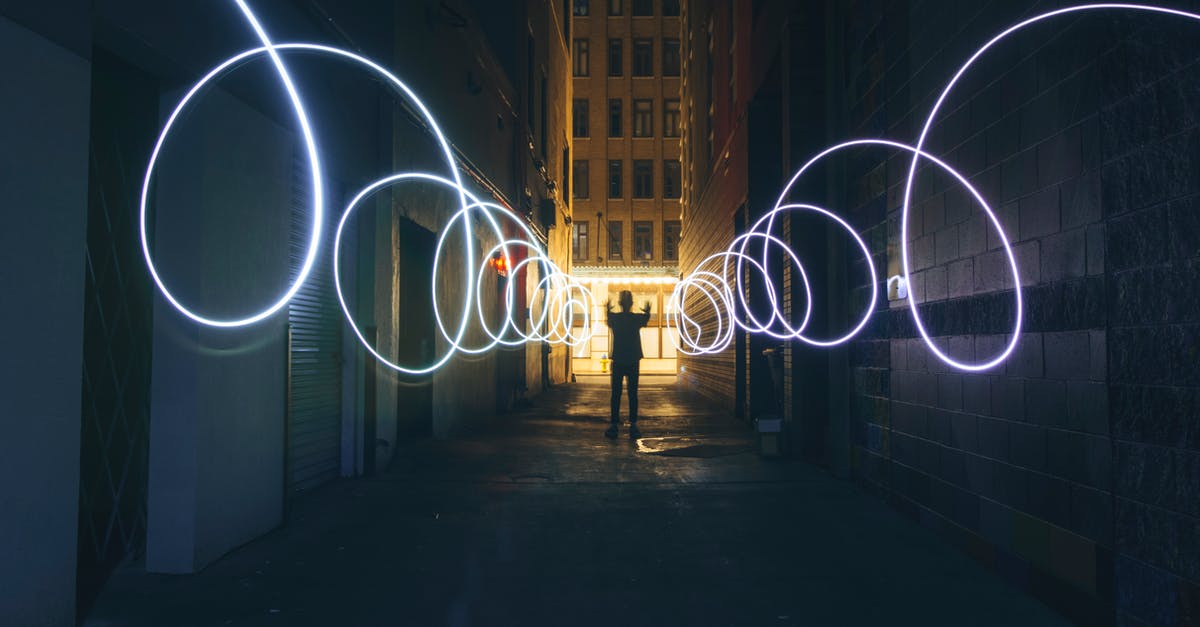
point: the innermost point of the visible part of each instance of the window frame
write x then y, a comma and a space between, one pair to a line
581, 57
647, 11
616, 113
669, 129
577, 237
580, 122
645, 45
642, 124
580, 8
678, 60
620, 4
646, 238
673, 11
616, 70
619, 171
616, 244
678, 179
643, 178
580, 188
672, 232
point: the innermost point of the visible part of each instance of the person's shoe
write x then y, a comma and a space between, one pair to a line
634, 432
611, 432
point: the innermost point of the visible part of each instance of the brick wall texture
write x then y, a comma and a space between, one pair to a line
1074, 468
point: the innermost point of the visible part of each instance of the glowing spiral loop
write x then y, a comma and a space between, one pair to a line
561, 295
718, 283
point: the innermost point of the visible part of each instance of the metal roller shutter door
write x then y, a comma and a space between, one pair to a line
314, 346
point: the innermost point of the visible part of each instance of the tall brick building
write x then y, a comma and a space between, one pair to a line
625, 171
1068, 469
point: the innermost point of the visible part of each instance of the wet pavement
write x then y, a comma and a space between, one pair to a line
540, 520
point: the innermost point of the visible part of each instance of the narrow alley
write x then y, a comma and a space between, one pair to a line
541, 520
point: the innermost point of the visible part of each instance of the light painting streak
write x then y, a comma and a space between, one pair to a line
561, 294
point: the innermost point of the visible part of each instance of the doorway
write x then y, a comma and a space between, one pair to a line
415, 345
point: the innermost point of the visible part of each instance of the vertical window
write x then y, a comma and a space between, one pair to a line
671, 8
671, 230
579, 118
615, 234
670, 64
579, 176
614, 118
614, 179
671, 118
643, 240
615, 8
579, 241
643, 8
643, 57
580, 59
643, 118
671, 178
581, 8
643, 178
616, 62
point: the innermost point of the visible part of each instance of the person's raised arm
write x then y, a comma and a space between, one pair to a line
645, 313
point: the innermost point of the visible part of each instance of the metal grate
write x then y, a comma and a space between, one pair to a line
117, 329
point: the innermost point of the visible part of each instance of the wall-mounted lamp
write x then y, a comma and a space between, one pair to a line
897, 287
500, 264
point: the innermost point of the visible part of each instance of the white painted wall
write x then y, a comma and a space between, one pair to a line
218, 395
44, 96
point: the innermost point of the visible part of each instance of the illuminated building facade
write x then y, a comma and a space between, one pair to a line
626, 178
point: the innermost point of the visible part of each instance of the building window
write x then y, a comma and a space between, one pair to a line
579, 174
580, 58
643, 57
643, 240
579, 240
671, 118
614, 179
671, 178
643, 178
615, 61
642, 8
670, 66
671, 8
643, 118
614, 118
614, 241
579, 118
671, 230
615, 8
581, 8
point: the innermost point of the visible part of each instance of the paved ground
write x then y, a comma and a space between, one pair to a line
544, 522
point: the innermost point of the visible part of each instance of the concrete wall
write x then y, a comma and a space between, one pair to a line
218, 395
43, 201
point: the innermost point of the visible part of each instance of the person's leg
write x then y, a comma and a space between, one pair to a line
615, 401
634, 432
632, 373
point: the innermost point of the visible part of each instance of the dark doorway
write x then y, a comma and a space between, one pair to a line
414, 411
118, 313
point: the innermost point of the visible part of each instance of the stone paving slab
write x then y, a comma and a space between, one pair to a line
542, 521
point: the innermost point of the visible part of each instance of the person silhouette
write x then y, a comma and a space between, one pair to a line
626, 358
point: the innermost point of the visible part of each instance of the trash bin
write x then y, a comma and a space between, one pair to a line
770, 427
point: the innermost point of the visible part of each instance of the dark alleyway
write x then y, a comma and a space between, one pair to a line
541, 521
